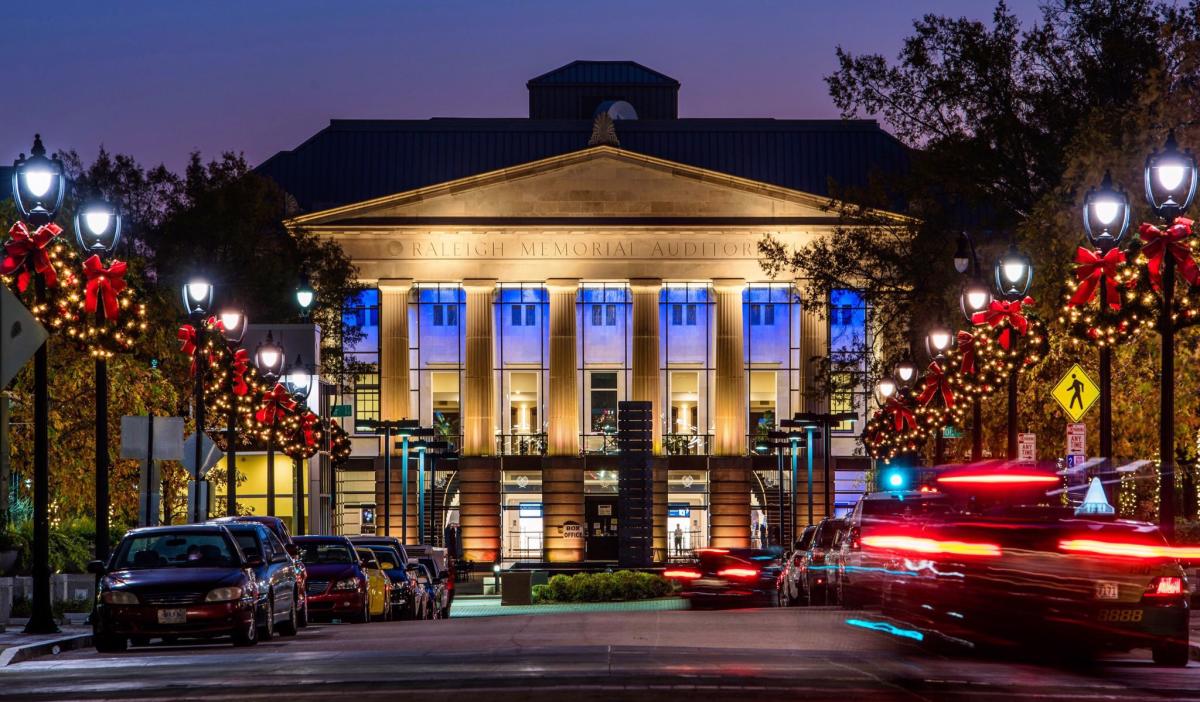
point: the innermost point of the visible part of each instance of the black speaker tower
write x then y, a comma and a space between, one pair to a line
635, 485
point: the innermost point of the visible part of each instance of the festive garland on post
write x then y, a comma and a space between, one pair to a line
340, 445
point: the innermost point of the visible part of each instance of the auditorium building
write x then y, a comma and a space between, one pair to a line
525, 275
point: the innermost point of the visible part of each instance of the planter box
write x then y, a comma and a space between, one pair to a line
65, 587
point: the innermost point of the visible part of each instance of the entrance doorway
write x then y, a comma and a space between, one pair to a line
600, 514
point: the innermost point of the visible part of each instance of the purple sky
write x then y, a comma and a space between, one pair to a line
160, 79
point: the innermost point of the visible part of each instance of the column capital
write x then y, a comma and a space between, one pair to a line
395, 285
729, 284
479, 284
562, 284
645, 284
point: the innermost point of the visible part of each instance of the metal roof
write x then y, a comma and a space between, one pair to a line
607, 72
354, 160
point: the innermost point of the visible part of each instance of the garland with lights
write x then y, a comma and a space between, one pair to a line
76, 293
340, 445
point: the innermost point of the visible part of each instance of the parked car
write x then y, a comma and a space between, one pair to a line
379, 586
441, 566
435, 585
408, 600
280, 529
278, 592
817, 565
746, 576
177, 581
337, 578
791, 585
374, 540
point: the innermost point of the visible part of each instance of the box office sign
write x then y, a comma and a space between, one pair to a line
572, 530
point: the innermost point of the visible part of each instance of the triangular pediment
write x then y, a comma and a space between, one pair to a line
593, 184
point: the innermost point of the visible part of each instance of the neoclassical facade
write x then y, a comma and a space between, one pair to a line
512, 310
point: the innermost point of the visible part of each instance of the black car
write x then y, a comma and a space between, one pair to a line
177, 582
279, 528
791, 581
278, 590
818, 566
745, 576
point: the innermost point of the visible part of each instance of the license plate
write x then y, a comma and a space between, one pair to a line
172, 616
1107, 591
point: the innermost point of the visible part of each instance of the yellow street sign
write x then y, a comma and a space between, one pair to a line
1076, 393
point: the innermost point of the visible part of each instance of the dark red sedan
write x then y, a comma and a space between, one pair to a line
337, 583
179, 581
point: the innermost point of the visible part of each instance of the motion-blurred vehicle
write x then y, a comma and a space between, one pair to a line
730, 576
860, 573
407, 598
178, 581
1006, 565
337, 578
280, 529
278, 595
379, 586
791, 586
817, 565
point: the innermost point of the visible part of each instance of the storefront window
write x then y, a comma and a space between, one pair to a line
685, 330
361, 315
522, 341
522, 514
436, 352
687, 513
604, 349
849, 348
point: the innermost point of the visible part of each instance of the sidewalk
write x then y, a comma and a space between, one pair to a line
488, 606
16, 646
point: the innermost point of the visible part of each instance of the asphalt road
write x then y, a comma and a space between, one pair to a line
737, 654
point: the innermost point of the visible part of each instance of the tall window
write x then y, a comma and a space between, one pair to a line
436, 351
686, 324
604, 348
361, 312
849, 350
771, 339
522, 344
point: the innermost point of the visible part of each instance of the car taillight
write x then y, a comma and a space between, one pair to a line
1128, 550
738, 572
1165, 586
1000, 478
681, 573
914, 544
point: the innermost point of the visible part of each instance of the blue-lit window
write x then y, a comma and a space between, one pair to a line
771, 329
361, 315
523, 339
445, 315
849, 348
436, 351
762, 315
604, 315
686, 321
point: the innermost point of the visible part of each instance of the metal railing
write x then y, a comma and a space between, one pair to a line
599, 444
686, 444
521, 444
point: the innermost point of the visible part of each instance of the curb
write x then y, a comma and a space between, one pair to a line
17, 654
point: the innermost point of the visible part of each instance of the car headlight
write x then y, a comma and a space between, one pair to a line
346, 584
224, 594
119, 597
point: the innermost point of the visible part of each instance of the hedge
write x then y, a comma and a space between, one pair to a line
602, 587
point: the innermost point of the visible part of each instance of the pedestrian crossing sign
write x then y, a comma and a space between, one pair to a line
1076, 393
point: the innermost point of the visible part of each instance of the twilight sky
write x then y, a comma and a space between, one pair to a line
159, 79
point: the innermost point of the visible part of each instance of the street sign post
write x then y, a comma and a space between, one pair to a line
1077, 440
210, 455
20, 335
151, 439
1076, 393
340, 411
1027, 448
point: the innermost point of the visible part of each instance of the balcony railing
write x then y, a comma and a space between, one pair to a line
599, 444
686, 444
521, 444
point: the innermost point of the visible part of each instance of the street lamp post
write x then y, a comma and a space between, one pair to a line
298, 381
97, 231
233, 326
268, 358
1170, 180
305, 295
197, 301
1014, 274
1105, 220
38, 188
937, 341
825, 421
974, 298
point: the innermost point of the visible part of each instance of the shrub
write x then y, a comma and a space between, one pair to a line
557, 588
602, 587
541, 594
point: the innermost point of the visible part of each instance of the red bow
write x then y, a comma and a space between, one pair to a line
103, 284
1159, 243
901, 415
1001, 311
966, 347
25, 251
187, 335
275, 402
308, 425
1091, 269
935, 383
241, 364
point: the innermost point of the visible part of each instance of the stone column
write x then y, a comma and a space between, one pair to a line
563, 401
479, 508
479, 430
562, 504
645, 349
814, 345
729, 502
394, 395
729, 395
